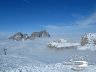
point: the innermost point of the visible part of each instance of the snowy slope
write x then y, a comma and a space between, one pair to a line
51, 68
91, 47
9, 62
20, 64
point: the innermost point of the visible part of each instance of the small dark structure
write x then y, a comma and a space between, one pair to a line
5, 53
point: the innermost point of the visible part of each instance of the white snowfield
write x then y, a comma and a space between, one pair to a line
50, 68
36, 66
22, 64
62, 43
91, 47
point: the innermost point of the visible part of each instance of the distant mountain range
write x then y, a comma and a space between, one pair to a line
89, 38
19, 36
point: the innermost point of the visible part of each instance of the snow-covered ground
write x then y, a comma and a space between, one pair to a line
62, 43
35, 56
21, 64
91, 47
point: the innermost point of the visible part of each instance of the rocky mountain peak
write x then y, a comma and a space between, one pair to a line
19, 36
89, 38
42, 33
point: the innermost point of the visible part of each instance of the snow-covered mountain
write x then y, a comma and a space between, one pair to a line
88, 42
42, 33
89, 38
62, 43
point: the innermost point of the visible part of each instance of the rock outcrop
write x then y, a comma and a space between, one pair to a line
88, 39
19, 36
43, 33
25, 37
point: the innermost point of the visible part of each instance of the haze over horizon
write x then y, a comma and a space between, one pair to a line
56, 16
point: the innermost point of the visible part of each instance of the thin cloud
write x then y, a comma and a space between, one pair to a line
2, 33
91, 20
84, 25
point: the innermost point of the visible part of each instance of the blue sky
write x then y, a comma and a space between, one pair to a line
69, 16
